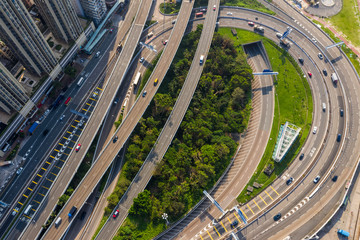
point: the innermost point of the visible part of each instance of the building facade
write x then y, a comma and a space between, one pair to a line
22, 36
12, 94
94, 9
61, 18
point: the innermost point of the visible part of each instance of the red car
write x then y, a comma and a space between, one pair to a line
214, 8
116, 213
165, 42
251, 23
78, 147
310, 74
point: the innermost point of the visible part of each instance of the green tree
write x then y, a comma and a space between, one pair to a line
142, 205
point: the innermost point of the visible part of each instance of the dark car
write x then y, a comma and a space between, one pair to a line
301, 60
144, 93
83, 214
234, 224
301, 156
289, 181
334, 179
341, 112
45, 132
325, 72
277, 217
115, 139
338, 138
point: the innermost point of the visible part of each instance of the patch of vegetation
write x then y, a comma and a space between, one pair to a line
149, 23
58, 47
170, 8
293, 103
71, 71
13, 153
202, 147
252, 4
347, 21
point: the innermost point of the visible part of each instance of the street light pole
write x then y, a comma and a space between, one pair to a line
165, 217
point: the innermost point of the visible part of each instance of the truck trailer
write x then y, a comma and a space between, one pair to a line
334, 78
258, 28
33, 127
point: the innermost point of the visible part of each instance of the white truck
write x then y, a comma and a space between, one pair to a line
258, 28
334, 78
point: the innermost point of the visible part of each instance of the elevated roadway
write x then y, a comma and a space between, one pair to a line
168, 132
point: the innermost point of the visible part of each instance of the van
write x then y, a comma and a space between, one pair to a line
201, 59
279, 35
150, 34
27, 210
324, 107
58, 221
72, 212
80, 82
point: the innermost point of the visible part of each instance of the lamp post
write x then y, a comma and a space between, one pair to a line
165, 217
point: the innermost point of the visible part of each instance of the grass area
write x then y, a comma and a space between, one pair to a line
252, 4
143, 229
347, 21
170, 8
349, 53
149, 23
293, 103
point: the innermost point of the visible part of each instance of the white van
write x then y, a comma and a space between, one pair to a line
58, 221
80, 82
201, 59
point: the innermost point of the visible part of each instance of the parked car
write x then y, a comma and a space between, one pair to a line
234, 224
78, 147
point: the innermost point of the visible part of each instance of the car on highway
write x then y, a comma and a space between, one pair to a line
277, 217
155, 81
229, 13
142, 59
116, 101
251, 23
116, 213
165, 42
325, 72
111, 30
78, 147
173, 21
144, 93
310, 74
301, 157
234, 224
316, 180
278, 35
203, 10
45, 132
338, 139
62, 117
289, 181
97, 54
341, 112
301, 60
214, 7
314, 40
334, 179
19, 170
315, 130
115, 139
320, 56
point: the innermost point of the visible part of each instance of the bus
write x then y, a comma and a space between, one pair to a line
137, 78
80, 81
199, 14
67, 101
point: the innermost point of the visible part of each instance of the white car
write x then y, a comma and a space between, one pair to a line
316, 180
229, 13
315, 130
19, 170
142, 60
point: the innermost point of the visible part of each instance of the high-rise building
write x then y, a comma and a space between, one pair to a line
60, 17
22, 36
94, 9
5, 52
12, 94
28, 3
